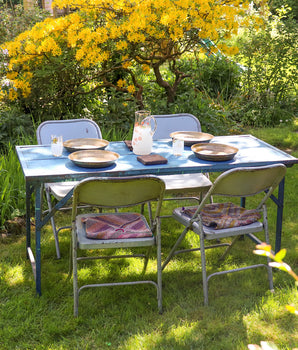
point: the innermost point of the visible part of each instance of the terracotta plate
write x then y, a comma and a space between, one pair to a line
84, 144
214, 151
191, 137
93, 158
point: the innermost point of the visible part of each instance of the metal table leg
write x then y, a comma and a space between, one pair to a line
279, 216
38, 226
29, 191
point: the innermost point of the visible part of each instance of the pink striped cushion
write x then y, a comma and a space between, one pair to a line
225, 215
115, 226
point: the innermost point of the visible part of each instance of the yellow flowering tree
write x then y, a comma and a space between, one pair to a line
110, 44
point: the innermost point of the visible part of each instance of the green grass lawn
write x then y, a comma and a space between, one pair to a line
241, 310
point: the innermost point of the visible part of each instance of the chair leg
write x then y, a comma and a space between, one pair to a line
179, 240
70, 268
146, 260
48, 197
229, 248
75, 277
266, 229
149, 213
159, 269
142, 208
203, 263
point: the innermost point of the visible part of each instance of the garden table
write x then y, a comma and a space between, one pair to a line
39, 167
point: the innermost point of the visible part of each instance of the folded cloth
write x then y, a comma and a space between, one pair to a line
225, 215
113, 226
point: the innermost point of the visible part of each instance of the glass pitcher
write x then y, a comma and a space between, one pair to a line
142, 138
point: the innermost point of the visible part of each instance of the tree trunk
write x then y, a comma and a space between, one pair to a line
170, 91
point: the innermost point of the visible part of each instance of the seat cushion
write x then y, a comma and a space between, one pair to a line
211, 233
225, 215
116, 226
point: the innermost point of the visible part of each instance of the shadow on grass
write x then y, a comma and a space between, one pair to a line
127, 317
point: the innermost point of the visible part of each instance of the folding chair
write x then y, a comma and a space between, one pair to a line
116, 230
220, 220
183, 183
68, 129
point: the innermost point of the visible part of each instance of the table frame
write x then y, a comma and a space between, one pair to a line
32, 158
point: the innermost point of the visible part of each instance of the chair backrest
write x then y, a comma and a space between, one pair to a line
168, 123
247, 181
118, 192
68, 129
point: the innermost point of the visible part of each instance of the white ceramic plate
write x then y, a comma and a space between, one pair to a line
84, 144
93, 158
191, 137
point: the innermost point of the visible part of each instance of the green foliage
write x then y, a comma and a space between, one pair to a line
218, 76
213, 117
292, 4
13, 126
12, 186
57, 89
221, 94
14, 20
92, 47
270, 80
254, 111
114, 112
265, 250
207, 105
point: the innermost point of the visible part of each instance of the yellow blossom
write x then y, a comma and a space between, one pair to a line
126, 64
138, 33
121, 45
131, 89
146, 68
12, 94
121, 83
11, 75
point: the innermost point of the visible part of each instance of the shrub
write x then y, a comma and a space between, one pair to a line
270, 81
12, 186
14, 20
105, 45
218, 76
292, 4
13, 125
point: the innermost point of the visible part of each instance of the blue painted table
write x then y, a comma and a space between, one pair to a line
39, 167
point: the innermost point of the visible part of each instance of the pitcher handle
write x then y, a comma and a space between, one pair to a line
155, 124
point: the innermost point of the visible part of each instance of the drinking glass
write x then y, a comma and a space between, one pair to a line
56, 145
178, 147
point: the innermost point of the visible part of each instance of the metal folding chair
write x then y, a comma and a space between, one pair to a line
68, 129
182, 184
116, 230
207, 221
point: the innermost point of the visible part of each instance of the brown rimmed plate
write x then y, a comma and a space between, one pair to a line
191, 137
215, 152
93, 158
84, 144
